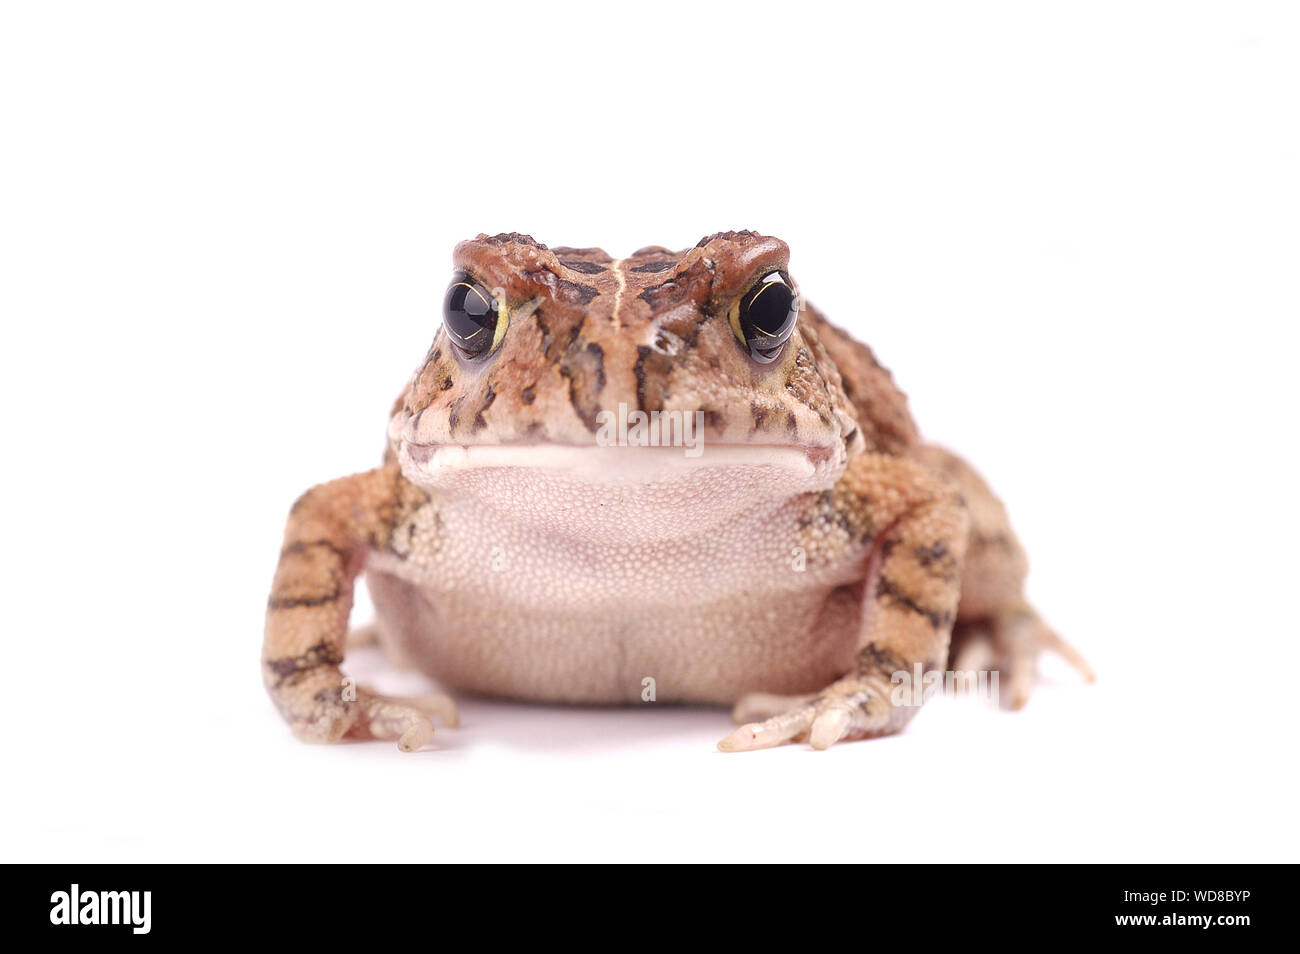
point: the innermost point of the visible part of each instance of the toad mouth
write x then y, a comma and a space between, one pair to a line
616, 463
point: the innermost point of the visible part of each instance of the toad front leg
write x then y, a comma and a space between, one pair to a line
920, 527
330, 530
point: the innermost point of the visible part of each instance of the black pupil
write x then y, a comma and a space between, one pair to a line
470, 315
767, 316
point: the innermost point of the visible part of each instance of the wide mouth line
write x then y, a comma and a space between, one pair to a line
613, 459
572, 445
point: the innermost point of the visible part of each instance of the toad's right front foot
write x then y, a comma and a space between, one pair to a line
323, 705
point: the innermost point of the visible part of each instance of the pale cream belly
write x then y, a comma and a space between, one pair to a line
485, 603
797, 644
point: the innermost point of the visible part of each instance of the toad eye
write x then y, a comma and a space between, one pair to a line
474, 317
763, 319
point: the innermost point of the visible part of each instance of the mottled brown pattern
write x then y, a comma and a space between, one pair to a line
587, 333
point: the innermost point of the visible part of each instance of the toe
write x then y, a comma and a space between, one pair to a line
417, 736
1048, 638
830, 726
762, 735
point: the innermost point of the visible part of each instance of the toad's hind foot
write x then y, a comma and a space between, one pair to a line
1010, 645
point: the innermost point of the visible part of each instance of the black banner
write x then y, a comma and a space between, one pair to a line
893, 903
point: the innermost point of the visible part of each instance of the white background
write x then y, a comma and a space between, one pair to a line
1072, 231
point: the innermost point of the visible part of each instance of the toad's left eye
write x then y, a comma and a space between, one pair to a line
474, 317
763, 319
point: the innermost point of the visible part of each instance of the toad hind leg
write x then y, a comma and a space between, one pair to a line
919, 526
330, 529
996, 627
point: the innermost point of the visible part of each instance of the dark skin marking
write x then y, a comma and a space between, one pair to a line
293, 602
666, 295
555, 346
572, 293
849, 523
932, 554
938, 561
322, 654
599, 353
638, 369
873, 659
581, 371
328, 702
845, 523
654, 267
286, 683
329, 696
860, 525
938, 619
302, 546
453, 414
479, 422
410, 539
822, 509
563, 290
587, 268
652, 370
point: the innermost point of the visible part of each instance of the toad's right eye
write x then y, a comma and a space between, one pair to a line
474, 317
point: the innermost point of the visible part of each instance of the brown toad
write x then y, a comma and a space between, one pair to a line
660, 473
